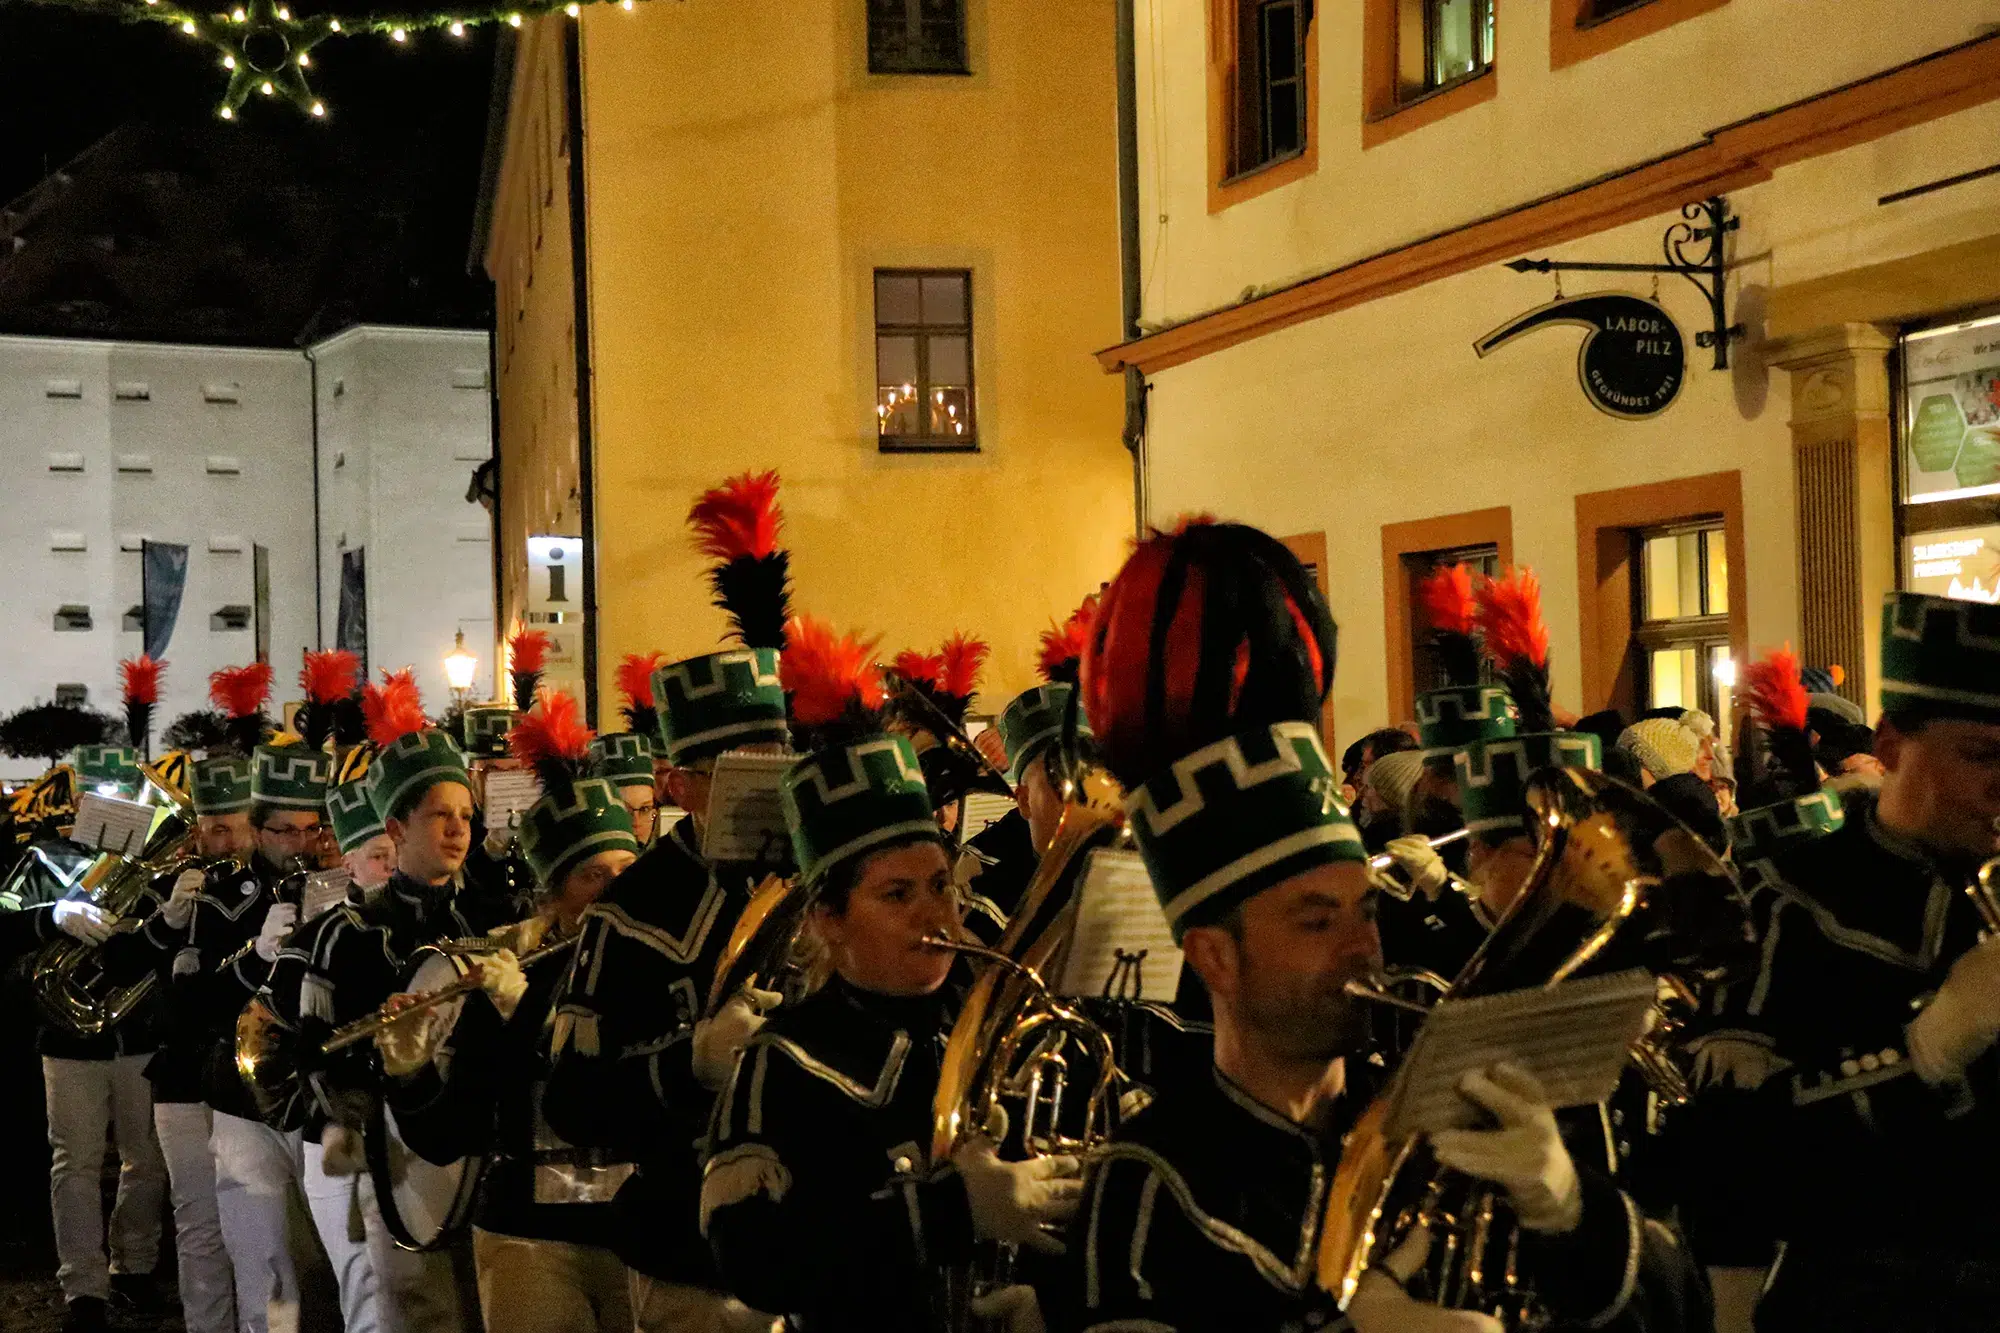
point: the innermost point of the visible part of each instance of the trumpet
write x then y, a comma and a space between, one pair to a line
1382, 861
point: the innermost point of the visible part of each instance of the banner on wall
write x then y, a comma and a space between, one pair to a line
163, 570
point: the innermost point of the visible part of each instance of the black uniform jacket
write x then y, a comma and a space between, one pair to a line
818, 1195
622, 1075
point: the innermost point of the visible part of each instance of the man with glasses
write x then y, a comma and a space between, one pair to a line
625, 760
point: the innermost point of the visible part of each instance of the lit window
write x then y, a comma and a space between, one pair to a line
923, 359
1458, 40
1683, 618
916, 37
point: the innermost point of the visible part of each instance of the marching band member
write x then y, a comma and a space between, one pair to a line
635, 1062
544, 1226
625, 759
1204, 1213
1873, 1121
817, 1194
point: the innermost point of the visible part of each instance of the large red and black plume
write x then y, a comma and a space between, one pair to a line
1510, 622
1452, 613
551, 739
1062, 644
527, 655
1208, 631
737, 525
1776, 696
394, 709
139, 678
946, 679
832, 685
328, 679
241, 692
635, 683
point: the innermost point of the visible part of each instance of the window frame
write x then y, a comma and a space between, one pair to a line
1703, 632
922, 332
1228, 183
912, 17
1577, 33
1423, 537
1393, 105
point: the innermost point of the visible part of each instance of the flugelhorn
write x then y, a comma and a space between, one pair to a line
390, 1013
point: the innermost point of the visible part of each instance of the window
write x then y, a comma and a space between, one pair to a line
923, 359
1681, 620
72, 619
228, 618
72, 696
1458, 41
1270, 111
134, 620
1427, 673
1581, 29
1481, 538
1424, 60
916, 37
1596, 11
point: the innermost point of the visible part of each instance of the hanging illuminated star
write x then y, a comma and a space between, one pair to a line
265, 50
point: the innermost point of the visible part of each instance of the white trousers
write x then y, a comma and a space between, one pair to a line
383, 1288
207, 1280
86, 1100
340, 1206
255, 1167
550, 1286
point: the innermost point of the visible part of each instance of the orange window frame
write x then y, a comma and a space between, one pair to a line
1386, 112
1224, 189
1446, 532
1575, 37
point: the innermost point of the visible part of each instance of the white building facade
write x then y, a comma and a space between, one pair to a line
104, 445
1320, 253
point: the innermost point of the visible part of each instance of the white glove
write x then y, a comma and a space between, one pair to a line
179, 907
1380, 1305
719, 1040
84, 921
501, 977
278, 923
1012, 1201
407, 1046
1009, 1309
1422, 867
1962, 1020
1525, 1156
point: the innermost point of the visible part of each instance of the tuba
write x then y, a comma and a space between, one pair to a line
70, 984
1615, 882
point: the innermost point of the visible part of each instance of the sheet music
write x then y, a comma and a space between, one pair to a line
1122, 945
983, 809
113, 824
746, 821
1573, 1038
509, 793
325, 889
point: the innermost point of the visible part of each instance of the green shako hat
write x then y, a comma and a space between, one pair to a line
352, 814
576, 817
1033, 722
1757, 835
624, 759
1465, 709
106, 766
290, 777
718, 702
1461, 714
221, 784
486, 727
1204, 672
1493, 775
1941, 656
411, 756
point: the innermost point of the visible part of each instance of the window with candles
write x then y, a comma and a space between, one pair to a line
1681, 617
1457, 44
916, 37
923, 360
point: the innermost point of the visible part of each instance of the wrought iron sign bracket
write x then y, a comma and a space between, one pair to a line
1707, 271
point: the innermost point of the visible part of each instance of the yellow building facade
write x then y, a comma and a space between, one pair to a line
745, 181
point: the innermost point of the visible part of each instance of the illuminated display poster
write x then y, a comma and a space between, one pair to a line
1951, 412
1955, 562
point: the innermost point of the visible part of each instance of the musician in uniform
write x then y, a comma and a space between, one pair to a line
819, 1196
1205, 1211
1001, 861
1876, 1120
636, 1056
544, 1226
626, 759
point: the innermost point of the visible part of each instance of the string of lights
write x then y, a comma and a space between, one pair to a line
267, 51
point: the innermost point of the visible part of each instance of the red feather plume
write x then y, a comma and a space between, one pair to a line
1446, 596
528, 651
1510, 617
140, 678
552, 739
738, 519
1774, 692
330, 676
919, 668
1063, 645
826, 674
241, 691
964, 656
394, 709
635, 678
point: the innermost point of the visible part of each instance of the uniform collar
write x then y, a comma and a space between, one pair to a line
418, 897
1272, 1122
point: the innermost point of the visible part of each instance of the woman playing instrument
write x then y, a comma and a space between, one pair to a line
817, 1196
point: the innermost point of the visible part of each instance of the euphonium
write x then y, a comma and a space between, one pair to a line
1615, 882
68, 978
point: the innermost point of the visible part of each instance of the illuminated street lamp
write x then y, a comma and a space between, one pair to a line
459, 668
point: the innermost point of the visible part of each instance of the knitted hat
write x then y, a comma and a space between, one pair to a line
355, 822
1839, 706
221, 785
624, 759
1394, 777
1941, 656
106, 766
486, 727
290, 777
1033, 722
1210, 656
860, 789
576, 817
1662, 746
411, 755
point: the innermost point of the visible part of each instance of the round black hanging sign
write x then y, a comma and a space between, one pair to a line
1633, 360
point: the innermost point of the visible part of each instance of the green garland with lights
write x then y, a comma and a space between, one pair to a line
267, 51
